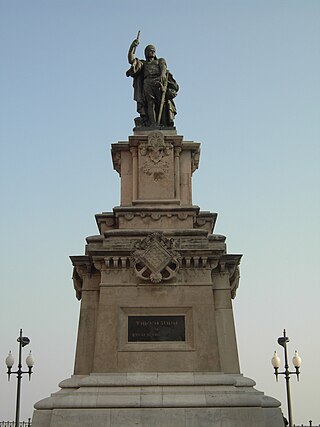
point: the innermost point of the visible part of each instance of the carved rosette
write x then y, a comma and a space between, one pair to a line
154, 258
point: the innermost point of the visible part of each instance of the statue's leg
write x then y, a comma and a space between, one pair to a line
152, 95
148, 101
151, 109
141, 109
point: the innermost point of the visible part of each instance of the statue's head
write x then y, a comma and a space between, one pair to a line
150, 51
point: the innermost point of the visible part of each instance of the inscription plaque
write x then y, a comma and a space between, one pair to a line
156, 328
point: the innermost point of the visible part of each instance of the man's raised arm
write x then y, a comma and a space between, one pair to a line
132, 49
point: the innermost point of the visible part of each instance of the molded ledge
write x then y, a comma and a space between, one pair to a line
164, 390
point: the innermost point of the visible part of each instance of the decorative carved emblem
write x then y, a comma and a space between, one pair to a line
154, 258
156, 148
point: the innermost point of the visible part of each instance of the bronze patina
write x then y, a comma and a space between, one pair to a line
154, 88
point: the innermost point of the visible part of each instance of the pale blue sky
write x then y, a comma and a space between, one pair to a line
249, 92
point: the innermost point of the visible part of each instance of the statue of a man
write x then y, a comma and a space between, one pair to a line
154, 88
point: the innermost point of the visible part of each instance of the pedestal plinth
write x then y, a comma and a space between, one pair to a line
156, 339
158, 399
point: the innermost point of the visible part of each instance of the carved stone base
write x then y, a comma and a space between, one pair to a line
156, 340
158, 399
156, 167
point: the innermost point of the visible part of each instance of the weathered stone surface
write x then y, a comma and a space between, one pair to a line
156, 169
179, 399
169, 417
155, 260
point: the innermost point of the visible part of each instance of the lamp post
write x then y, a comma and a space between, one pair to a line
23, 341
296, 360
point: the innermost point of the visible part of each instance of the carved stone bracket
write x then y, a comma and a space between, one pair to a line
154, 258
79, 272
229, 264
234, 282
195, 160
117, 162
82, 268
77, 283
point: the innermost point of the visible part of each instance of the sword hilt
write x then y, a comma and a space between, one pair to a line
134, 49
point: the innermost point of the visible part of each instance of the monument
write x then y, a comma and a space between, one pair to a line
156, 339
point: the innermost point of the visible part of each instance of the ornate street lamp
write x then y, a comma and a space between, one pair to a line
23, 341
296, 360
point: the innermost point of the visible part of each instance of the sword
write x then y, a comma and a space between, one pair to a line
134, 49
162, 102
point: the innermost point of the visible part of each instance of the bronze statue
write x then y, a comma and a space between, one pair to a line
154, 88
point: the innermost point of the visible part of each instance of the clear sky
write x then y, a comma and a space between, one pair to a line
249, 92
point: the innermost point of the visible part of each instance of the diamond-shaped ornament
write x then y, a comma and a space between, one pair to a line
156, 257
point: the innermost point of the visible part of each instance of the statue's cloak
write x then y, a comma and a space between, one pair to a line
135, 71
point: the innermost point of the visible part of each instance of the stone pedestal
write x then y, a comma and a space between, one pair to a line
156, 339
